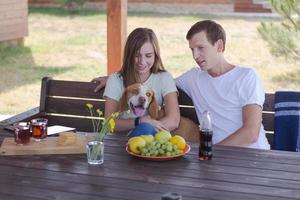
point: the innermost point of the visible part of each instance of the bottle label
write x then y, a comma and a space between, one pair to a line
205, 148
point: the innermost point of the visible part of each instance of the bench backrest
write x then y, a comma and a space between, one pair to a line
64, 103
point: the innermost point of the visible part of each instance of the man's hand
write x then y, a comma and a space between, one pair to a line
101, 82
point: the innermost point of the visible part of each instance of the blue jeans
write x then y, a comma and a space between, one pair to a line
142, 129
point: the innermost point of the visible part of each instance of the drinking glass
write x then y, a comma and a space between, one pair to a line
95, 152
22, 133
39, 128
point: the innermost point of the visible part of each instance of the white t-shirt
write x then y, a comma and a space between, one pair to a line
224, 96
162, 83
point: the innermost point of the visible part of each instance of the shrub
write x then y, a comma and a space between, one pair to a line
283, 39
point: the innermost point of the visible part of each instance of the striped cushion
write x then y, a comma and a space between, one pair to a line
287, 121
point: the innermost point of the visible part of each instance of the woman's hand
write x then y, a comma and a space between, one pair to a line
101, 82
158, 126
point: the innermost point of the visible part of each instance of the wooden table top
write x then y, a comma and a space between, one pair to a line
233, 173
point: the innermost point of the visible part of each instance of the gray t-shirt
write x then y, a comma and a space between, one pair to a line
162, 83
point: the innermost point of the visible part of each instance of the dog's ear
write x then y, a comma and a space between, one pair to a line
123, 102
153, 108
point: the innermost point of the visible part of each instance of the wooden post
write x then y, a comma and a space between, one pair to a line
116, 33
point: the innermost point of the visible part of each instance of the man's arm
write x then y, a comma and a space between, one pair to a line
172, 113
249, 132
101, 82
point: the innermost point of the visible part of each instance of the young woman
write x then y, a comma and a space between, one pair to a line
142, 64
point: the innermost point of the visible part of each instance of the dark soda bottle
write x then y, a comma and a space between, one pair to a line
206, 133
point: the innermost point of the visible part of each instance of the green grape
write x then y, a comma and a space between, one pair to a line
148, 154
140, 148
161, 141
154, 148
173, 153
143, 150
178, 151
169, 148
161, 151
151, 152
158, 145
168, 154
156, 153
163, 146
175, 147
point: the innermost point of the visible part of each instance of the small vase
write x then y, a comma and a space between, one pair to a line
95, 152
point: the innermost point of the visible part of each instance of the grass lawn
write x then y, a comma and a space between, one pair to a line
73, 47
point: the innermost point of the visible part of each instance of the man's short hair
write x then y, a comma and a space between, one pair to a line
214, 31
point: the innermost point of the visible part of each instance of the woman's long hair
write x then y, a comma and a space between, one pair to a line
136, 39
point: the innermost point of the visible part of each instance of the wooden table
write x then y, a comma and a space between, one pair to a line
234, 173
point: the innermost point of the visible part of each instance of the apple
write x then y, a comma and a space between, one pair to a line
163, 135
148, 138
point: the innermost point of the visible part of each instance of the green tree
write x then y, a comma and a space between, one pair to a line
283, 38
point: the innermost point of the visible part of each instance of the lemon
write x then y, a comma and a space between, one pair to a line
135, 143
163, 135
178, 141
148, 138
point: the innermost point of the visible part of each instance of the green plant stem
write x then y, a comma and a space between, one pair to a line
95, 151
93, 122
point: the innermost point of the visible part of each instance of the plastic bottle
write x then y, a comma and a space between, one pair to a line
206, 133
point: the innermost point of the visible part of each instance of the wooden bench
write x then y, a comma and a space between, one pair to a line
64, 103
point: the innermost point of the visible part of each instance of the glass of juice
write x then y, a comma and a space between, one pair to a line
22, 133
39, 128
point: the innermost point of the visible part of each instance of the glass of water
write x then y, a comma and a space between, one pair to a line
95, 152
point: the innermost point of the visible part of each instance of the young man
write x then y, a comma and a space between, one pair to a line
233, 95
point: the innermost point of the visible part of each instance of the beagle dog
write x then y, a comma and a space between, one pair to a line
139, 100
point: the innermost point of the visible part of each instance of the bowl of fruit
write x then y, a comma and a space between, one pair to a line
160, 147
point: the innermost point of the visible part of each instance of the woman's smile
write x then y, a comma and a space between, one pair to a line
144, 60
